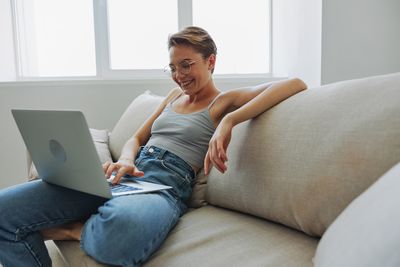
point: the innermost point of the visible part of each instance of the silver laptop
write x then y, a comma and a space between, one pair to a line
64, 154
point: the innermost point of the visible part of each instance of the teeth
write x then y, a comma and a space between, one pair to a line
185, 83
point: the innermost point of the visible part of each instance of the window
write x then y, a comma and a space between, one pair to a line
138, 39
127, 38
241, 33
55, 38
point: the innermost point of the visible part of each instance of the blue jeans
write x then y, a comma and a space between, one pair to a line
124, 230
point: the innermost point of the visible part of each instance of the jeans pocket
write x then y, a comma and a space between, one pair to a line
183, 176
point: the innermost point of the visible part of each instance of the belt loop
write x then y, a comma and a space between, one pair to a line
161, 154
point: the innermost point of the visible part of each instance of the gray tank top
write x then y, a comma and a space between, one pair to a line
185, 135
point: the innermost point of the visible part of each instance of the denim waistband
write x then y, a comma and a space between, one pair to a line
161, 153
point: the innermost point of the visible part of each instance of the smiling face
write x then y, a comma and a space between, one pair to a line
190, 70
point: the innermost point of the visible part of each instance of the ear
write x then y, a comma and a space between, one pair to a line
211, 61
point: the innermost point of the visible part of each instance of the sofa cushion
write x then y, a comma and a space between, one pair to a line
100, 139
211, 236
73, 255
215, 237
303, 161
367, 232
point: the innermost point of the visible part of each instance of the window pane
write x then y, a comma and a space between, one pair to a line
56, 37
138, 32
240, 30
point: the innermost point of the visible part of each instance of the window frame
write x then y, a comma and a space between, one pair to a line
102, 51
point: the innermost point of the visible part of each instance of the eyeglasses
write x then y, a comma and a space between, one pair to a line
183, 67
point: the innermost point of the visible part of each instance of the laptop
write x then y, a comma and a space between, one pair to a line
64, 153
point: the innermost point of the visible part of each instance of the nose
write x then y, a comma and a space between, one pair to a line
179, 76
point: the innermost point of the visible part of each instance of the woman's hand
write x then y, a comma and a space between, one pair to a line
121, 167
216, 154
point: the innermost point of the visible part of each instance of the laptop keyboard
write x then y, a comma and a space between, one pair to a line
119, 188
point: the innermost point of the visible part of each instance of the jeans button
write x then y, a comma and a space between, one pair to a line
151, 150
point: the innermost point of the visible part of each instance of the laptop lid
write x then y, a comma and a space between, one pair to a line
62, 149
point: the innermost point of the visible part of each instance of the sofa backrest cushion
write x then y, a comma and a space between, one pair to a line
367, 232
303, 161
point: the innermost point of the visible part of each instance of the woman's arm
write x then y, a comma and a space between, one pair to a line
247, 104
125, 163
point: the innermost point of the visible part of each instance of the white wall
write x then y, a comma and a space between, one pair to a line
359, 38
297, 39
324, 41
102, 102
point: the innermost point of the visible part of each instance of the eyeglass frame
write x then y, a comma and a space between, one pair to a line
168, 70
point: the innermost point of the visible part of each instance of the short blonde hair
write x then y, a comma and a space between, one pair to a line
195, 37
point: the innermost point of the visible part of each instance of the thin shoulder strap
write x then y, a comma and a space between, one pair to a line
175, 98
213, 101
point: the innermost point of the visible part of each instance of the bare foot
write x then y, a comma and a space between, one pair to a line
69, 231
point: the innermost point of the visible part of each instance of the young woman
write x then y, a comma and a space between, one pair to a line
191, 129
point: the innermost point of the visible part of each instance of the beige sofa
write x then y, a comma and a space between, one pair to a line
292, 171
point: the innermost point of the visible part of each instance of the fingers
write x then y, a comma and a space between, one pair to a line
219, 161
109, 168
221, 152
120, 170
106, 165
217, 156
137, 173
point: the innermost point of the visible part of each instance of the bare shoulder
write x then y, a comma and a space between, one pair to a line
240, 96
223, 105
146, 127
237, 97
172, 94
